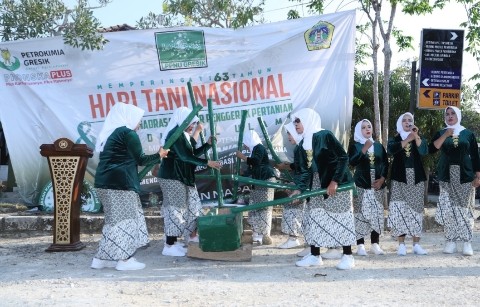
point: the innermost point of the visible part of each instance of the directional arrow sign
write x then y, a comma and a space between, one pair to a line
440, 68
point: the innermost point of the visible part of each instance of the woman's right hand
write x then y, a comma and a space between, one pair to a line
283, 166
294, 192
214, 164
367, 145
448, 132
163, 152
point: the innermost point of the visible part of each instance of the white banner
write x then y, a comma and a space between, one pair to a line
50, 90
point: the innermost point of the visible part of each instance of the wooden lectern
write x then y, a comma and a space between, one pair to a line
67, 162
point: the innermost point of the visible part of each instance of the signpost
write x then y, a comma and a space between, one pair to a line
440, 69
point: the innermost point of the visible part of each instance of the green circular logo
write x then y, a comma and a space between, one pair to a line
89, 199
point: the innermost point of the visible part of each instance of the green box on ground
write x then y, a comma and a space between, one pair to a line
220, 232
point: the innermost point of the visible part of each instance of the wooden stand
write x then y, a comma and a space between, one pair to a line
244, 253
67, 162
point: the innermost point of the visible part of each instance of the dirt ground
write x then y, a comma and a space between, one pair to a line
32, 277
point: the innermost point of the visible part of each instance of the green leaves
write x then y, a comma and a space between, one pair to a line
208, 13
25, 19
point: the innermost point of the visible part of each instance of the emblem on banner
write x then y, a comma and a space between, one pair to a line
181, 49
6, 60
319, 36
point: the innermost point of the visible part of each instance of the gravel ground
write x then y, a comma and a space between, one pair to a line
32, 277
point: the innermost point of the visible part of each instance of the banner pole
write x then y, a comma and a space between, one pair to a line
214, 153
239, 147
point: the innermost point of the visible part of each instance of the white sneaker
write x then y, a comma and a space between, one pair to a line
346, 263
375, 249
467, 249
361, 250
290, 243
332, 253
100, 264
257, 238
450, 247
173, 250
402, 249
181, 247
309, 260
195, 239
129, 265
418, 250
304, 252
182, 244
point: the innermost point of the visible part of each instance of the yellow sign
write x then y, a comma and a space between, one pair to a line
438, 98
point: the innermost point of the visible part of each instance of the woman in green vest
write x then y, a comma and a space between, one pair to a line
330, 221
117, 185
259, 167
458, 171
407, 184
302, 177
181, 202
370, 161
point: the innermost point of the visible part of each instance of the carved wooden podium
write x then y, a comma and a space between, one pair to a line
67, 162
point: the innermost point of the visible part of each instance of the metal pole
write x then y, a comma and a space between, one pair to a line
413, 87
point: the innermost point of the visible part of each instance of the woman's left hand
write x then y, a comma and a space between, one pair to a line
199, 127
210, 139
476, 182
377, 184
332, 188
240, 155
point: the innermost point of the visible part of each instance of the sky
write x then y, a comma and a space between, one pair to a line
129, 11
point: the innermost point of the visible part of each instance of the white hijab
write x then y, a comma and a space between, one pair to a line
358, 135
120, 115
404, 134
311, 122
251, 139
290, 128
457, 128
178, 116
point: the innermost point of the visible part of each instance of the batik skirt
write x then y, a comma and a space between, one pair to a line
368, 210
329, 222
455, 207
261, 219
125, 229
180, 208
406, 206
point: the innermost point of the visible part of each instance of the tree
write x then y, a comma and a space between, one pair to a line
374, 45
206, 13
472, 25
25, 19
